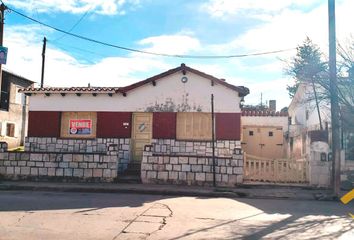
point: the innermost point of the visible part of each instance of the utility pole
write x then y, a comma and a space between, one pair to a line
2, 18
213, 139
43, 60
334, 98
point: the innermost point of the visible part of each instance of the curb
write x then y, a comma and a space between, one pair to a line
217, 192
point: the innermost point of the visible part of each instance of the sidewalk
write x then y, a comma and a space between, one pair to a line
244, 191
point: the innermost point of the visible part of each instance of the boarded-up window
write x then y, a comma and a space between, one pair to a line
78, 124
194, 126
10, 129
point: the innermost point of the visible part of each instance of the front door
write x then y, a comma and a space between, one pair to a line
141, 134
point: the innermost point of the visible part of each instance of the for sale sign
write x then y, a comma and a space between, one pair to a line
80, 126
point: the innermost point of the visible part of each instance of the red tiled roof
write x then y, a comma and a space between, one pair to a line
263, 113
243, 91
71, 89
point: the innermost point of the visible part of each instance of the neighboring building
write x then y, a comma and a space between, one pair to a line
13, 109
171, 111
304, 122
264, 133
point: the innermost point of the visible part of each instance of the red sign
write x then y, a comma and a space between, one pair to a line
80, 126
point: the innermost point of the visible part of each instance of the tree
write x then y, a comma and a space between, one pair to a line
307, 67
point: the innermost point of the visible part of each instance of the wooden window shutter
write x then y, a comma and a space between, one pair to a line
194, 126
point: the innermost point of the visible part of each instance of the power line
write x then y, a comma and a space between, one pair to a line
148, 52
74, 26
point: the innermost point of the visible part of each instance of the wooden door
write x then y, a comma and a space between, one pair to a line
251, 140
141, 134
271, 142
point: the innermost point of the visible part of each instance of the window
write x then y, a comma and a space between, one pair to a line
10, 129
194, 126
78, 125
270, 134
5, 92
250, 133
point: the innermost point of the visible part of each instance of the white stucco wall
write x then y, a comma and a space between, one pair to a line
299, 106
197, 91
265, 121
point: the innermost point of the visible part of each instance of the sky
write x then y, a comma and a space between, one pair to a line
184, 27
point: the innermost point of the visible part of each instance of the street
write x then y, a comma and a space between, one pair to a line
59, 215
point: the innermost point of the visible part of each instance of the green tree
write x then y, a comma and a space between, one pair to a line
307, 67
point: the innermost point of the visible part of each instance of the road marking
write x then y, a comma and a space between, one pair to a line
348, 197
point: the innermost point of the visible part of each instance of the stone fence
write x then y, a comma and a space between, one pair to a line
160, 165
91, 146
101, 167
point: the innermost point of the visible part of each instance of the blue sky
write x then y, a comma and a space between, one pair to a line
195, 27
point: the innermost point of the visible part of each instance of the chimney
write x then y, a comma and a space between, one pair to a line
273, 105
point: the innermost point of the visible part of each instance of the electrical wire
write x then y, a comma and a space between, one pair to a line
74, 26
148, 52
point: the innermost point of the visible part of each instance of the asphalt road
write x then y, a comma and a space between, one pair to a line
57, 215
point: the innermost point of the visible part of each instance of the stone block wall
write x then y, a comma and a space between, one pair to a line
64, 166
192, 169
223, 148
97, 145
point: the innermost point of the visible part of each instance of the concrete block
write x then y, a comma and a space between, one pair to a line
36, 156
97, 173
67, 157
68, 172
162, 175
239, 179
173, 175
238, 170
190, 176
174, 160
200, 176
88, 173
51, 171
223, 169
42, 171
25, 170
196, 168
168, 167
182, 176
31, 164
59, 172
51, 164
88, 158
177, 168
17, 170
107, 173
92, 165
206, 168
201, 161
193, 160
39, 164
224, 178
34, 171
78, 157
146, 166
7, 163
73, 164
83, 165
96, 157
209, 177
229, 170
151, 175
22, 163
78, 172
186, 168
183, 160
2, 170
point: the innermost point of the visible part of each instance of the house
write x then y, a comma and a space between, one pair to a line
152, 124
13, 109
264, 133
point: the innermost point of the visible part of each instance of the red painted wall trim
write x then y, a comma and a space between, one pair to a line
164, 125
228, 126
44, 124
110, 124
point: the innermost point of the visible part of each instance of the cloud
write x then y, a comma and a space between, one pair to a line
251, 8
179, 43
103, 7
62, 69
